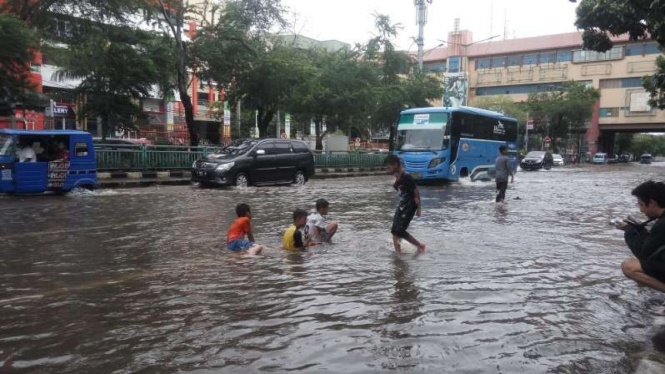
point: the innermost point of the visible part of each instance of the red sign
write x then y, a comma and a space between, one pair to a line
547, 139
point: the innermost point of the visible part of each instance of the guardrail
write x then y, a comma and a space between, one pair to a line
348, 159
112, 157
139, 157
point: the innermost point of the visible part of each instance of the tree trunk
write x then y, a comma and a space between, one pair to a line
189, 118
391, 138
318, 126
265, 117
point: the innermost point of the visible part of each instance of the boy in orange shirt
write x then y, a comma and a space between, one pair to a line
235, 237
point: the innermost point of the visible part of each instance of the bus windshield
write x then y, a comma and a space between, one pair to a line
422, 132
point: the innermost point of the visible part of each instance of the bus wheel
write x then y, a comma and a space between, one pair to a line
464, 173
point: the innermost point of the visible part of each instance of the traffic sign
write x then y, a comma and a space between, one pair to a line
547, 139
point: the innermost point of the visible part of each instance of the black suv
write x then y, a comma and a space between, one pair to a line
536, 160
256, 161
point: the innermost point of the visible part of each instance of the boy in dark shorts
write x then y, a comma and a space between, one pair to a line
409, 204
235, 237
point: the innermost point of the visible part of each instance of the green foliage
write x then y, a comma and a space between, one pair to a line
647, 143
118, 66
558, 113
503, 104
17, 46
396, 91
640, 19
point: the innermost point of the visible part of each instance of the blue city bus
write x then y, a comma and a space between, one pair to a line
446, 144
39, 161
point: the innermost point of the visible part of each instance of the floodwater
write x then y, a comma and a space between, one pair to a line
138, 281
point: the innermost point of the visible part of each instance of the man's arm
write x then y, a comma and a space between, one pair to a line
250, 235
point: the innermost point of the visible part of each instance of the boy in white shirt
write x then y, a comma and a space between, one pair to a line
316, 229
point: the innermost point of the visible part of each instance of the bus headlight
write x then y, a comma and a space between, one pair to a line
436, 162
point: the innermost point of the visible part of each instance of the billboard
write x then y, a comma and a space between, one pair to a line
455, 90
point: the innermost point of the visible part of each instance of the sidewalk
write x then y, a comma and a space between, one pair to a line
179, 178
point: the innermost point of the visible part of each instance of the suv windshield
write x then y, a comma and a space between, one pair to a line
6, 145
535, 154
238, 148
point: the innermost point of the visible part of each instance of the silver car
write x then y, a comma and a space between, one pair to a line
558, 160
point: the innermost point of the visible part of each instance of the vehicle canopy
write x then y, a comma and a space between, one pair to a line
646, 155
38, 161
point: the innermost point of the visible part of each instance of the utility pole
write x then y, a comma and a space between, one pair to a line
421, 20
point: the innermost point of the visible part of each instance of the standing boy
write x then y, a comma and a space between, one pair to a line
503, 170
293, 238
409, 204
235, 237
316, 229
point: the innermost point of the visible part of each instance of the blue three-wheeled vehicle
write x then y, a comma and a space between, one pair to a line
39, 161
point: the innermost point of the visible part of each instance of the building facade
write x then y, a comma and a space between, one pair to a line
519, 67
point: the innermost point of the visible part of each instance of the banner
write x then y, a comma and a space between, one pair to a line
455, 87
287, 125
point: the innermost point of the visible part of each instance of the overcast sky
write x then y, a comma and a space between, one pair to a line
351, 20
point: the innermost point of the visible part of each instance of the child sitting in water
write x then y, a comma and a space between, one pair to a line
293, 237
235, 237
317, 230
409, 204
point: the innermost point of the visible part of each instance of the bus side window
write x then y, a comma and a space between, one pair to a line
81, 149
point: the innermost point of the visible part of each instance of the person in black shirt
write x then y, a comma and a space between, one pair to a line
409, 204
648, 246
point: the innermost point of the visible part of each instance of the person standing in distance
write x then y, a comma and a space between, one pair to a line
503, 170
648, 246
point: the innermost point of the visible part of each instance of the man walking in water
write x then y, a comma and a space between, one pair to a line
503, 170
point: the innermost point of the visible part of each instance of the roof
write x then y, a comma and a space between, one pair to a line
508, 46
464, 109
44, 132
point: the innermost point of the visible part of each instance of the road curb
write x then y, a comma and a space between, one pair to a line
183, 178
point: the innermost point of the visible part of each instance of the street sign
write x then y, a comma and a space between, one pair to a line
547, 139
358, 140
59, 110
529, 124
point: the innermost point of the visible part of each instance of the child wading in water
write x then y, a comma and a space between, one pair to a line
409, 204
235, 237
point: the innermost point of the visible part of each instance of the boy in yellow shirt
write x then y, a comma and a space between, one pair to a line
293, 238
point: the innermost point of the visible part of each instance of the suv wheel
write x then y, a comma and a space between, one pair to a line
242, 180
299, 179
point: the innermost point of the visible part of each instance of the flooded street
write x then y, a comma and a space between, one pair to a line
139, 281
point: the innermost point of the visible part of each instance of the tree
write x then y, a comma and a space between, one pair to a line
646, 143
640, 19
118, 67
503, 104
17, 47
336, 88
397, 89
565, 110
222, 44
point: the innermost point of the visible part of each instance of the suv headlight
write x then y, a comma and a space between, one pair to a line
436, 162
225, 167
